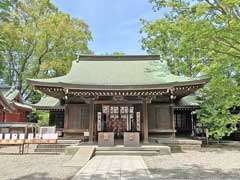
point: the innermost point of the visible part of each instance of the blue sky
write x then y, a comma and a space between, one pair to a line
115, 24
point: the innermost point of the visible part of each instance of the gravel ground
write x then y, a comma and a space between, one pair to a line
33, 166
209, 163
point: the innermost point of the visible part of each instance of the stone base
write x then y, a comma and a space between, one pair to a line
131, 139
106, 139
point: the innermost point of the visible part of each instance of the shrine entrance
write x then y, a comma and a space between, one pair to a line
118, 119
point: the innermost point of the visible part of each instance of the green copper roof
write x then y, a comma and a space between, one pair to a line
9, 100
6, 104
116, 70
48, 101
12, 94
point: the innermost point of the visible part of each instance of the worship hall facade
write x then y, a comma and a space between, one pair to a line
120, 94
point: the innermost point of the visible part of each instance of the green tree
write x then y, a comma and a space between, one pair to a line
39, 116
199, 38
40, 41
4, 14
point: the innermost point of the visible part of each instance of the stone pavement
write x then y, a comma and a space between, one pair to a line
114, 167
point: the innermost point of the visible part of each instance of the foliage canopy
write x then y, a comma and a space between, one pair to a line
200, 38
40, 41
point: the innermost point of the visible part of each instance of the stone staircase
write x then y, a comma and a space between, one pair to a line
55, 148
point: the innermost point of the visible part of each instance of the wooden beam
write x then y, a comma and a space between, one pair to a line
118, 102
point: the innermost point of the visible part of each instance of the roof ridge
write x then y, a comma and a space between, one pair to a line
117, 57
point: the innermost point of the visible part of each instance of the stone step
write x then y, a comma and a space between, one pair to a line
134, 153
161, 150
48, 153
63, 141
179, 148
52, 145
141, 148
49, 150
179, 145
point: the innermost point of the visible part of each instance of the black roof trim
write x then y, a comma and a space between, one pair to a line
118, 57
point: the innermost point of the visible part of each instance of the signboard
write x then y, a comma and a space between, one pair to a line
37, 136
99, 121
30, 136
7, 136
50, 136
20, 138
47, 130
14, 136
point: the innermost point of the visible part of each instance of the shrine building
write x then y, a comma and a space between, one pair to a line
118, 94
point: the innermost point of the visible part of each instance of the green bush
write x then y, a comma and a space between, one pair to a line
39, 116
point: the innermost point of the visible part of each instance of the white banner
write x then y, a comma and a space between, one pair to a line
138, 121
99, 120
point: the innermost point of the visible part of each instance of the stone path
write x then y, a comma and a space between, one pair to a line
114, 167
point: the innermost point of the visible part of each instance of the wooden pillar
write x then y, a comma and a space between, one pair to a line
172, 116
66, 117
26, 131
4, 116
91, 120
146, 100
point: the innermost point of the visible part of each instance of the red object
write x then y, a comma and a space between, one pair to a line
13, 110
18, 116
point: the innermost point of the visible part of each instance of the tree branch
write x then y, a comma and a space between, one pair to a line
225, 43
